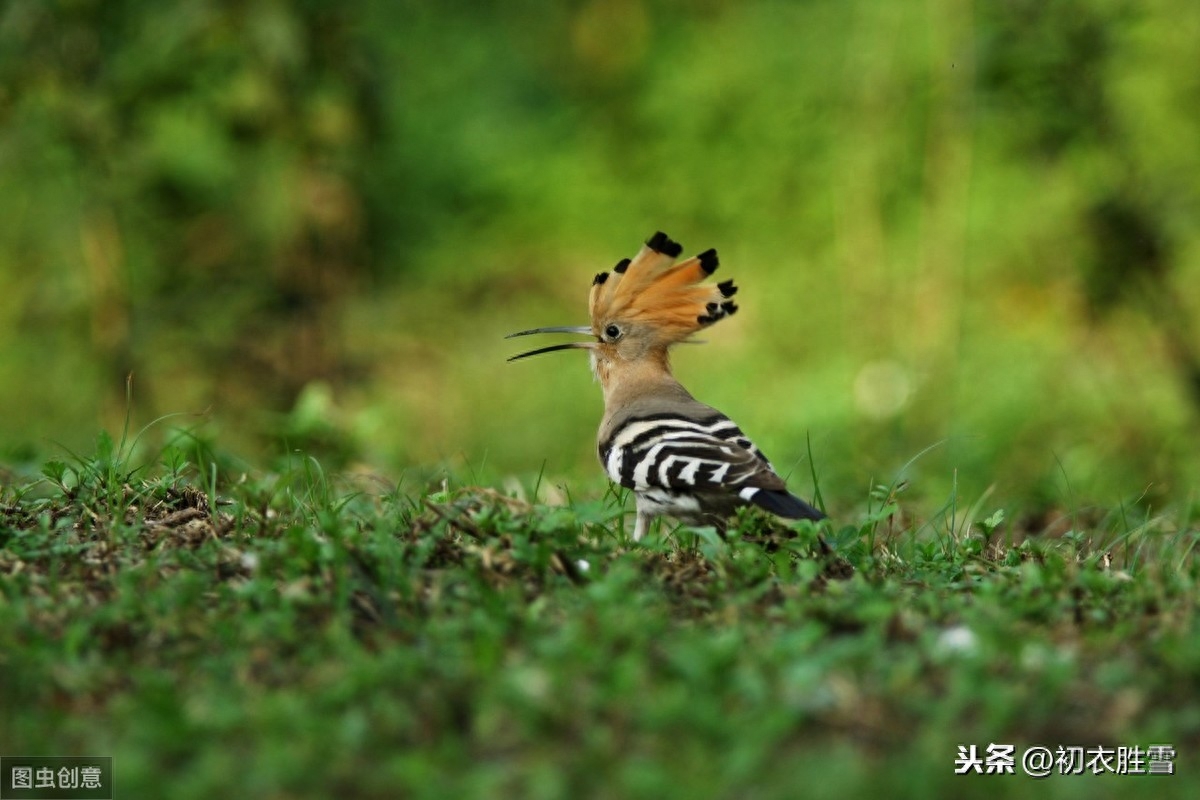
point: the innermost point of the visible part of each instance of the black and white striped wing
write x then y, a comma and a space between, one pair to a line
664, 451
676, 462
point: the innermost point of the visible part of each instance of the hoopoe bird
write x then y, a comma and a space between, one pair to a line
680, 457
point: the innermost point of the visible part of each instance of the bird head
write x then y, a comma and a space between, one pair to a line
645, 305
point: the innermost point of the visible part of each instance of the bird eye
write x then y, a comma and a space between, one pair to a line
612, 332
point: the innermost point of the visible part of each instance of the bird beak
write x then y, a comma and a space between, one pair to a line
580, 329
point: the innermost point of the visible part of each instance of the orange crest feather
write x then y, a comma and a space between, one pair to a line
654, 291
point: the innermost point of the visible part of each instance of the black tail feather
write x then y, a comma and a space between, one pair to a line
785, 505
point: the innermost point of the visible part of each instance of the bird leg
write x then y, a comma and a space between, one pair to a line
642, 525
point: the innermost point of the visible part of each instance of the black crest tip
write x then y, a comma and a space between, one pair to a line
729, 307
621, 266
708, 261
661, 243
727, 288
600, 278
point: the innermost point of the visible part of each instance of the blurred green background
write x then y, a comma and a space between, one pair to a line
310, 224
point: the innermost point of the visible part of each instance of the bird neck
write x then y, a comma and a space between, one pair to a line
626, 381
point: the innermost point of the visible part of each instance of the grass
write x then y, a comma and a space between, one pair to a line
223, 632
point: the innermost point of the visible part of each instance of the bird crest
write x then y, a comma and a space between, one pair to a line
663, 302
652, 291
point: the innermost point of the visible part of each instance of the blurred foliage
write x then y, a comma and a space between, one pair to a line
200, 164
953, 223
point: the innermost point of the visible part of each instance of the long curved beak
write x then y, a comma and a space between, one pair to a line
556, 329
580, 329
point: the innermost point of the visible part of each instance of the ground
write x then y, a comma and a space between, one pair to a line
290, 634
